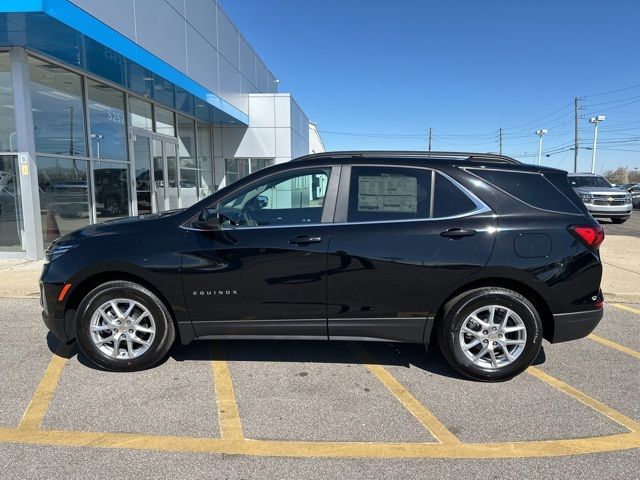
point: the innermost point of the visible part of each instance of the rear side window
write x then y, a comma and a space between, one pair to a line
449, 200
389, 193
531, 188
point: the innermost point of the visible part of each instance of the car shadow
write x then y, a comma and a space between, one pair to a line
303, 351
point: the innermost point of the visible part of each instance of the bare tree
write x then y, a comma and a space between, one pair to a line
618, 176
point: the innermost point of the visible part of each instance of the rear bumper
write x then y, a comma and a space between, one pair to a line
571, 326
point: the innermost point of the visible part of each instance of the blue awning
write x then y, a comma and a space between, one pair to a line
62, 31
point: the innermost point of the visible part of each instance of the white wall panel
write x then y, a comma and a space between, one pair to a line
167, 42
201, 14
118, 14
202, 60
247, 61
228, 39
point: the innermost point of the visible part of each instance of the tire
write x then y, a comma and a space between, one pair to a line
619, 220
147, 338
523, 316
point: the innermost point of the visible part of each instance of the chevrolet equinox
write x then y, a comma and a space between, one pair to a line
476, 253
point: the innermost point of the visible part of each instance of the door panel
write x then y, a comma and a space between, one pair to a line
383, 277
264, 272
254, 281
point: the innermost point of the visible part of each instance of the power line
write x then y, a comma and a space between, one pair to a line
611, 91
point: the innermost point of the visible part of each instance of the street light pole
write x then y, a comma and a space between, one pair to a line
540, 133
595, 121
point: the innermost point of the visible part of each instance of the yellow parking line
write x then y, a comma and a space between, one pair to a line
39, 404
284, 448
228, 414
586, 399
624, 307
424, 416
614, 345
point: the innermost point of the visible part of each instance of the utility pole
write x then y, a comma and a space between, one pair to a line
500, 137
429, 138
575, 141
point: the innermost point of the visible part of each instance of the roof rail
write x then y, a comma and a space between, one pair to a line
470, 156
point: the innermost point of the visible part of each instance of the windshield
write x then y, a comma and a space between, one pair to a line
589, 181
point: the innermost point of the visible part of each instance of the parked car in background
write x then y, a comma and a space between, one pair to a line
601, 198
634, 190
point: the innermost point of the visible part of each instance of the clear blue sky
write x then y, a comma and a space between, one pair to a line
380, 73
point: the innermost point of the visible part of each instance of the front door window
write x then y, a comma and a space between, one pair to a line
291, 199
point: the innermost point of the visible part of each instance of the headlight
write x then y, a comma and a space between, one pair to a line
56, 251
585, 197
628, 197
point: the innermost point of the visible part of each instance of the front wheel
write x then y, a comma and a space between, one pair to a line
124, 326
490, 334
618, 220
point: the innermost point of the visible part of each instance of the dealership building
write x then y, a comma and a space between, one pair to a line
127, 107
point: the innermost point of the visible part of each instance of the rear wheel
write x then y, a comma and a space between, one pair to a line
490, 334
619, 220
124, 326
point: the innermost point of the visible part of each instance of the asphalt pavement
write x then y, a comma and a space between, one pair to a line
289, 409
629, 228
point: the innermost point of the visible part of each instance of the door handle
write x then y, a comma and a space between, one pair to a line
305, 240
458, 233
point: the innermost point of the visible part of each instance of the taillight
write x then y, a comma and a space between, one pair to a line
592, 236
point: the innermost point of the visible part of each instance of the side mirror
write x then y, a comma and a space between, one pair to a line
262, 201
211, 223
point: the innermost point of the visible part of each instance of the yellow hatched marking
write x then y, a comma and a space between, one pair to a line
228, 414
614, 345
586, 399
424, 416
624, 307
39, 404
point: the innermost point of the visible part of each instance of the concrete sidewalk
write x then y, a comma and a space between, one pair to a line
620, 282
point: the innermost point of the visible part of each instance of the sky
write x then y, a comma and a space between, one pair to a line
378, 74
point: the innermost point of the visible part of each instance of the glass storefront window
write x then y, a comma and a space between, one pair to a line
111, 182
7, 119
237, 168
106, 121
64, 196
186, 142
140, 114
188, 186
10, 206
206, 184
165, 124
205, 150
58, 117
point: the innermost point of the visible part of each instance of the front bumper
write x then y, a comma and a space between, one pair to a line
54, 316
571, 326
623, 211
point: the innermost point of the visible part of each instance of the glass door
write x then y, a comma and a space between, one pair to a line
173, 181
159, 170
156, 171
143, 174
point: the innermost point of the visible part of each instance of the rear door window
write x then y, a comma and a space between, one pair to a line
389, 193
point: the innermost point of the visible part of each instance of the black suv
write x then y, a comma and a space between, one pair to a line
475, 252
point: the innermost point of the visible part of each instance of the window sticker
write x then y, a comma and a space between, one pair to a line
387, 194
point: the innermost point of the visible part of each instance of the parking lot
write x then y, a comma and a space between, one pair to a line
315, 409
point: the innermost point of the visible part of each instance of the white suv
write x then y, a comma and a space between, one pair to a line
600, 198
